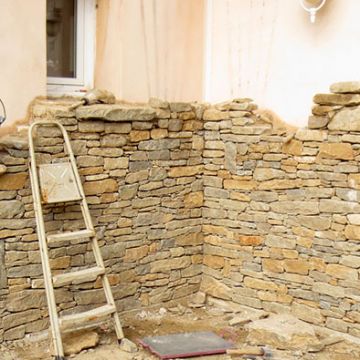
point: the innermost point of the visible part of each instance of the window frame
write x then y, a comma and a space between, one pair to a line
85, 54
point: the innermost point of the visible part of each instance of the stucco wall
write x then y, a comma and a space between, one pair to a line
150, 48
270, 51
22, 54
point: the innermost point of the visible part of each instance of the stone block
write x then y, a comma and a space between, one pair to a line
297, 266
346, 87
310, 135
336, 151
352, 232
337, 99
342, 272
100, 187
327, 289
185, 171
346, 120
116, 112
293, 147
13, 181
215, 288
194, 200
215, 115
318, 122
281, 331
306, 313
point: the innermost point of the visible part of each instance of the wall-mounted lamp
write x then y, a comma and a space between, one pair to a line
2, 117
312, 7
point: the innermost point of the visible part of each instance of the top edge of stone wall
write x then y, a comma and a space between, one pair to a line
338, 110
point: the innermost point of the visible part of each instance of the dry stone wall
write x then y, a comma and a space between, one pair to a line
142, 172
187, 196
281, 211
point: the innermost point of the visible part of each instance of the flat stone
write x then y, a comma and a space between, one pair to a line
180, 106
346, 87
75, 342
158, 103
352, 232
310, 135
295, 207
337, 206
116, 112
3, 169
128, 346
99, 187
216, 288
327, 289
215, 115
351, 261
170, 264
280, 242
197, 300
13, 181
342, 272
25, 300
342, 151
346, 120
262, 174
314, 222
309, 314
12, 141
113, 140
317, 122
282, 332
293, 147
337, 99
10, 208
185, 171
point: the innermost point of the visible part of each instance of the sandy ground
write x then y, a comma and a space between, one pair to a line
161, 321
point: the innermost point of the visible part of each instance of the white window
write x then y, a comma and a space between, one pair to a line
70, 30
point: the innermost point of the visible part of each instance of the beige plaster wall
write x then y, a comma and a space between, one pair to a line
270, 51
22, 54
150, 48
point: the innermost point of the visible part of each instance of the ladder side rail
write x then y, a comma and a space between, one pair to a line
40, 227
95, 245
88, 222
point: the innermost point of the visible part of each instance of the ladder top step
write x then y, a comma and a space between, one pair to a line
78, 277
75, 320
72, 235
58, 183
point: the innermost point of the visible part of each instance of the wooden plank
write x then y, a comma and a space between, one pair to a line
75, 320
73, 235
78, 277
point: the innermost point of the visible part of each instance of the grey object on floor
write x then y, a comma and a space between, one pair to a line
186, 344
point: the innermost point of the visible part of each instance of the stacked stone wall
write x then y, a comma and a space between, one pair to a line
141, 167
224, 198
281, 210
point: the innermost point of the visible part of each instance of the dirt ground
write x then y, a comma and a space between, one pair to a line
161, 321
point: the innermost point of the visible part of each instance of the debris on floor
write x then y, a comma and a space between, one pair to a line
282, 332
75, 342
185, 345
283, 337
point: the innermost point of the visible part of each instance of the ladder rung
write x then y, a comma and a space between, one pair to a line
73, 235
77, 277
74, 320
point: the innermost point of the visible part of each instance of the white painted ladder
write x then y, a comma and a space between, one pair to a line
60, 183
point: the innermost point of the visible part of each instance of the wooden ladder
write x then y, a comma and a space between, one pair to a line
60, 183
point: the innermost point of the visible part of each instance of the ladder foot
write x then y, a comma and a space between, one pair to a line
57, 357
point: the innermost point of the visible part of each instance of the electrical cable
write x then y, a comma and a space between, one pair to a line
2, 118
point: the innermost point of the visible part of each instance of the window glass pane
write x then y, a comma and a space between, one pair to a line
61, 38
